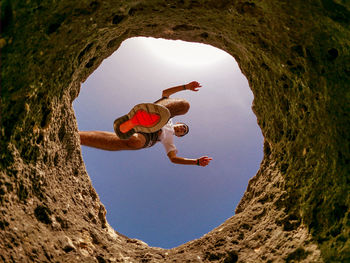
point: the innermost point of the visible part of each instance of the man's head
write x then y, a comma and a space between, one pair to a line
181, 129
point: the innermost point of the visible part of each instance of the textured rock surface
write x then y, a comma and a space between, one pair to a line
295, 55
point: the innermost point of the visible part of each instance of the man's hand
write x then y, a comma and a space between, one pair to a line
194, 86
204, 160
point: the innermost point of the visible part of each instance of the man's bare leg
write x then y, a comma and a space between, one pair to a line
175, 106
110, 141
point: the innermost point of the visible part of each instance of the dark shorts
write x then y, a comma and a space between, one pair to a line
151, 139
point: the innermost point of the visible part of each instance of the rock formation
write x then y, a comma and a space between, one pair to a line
295, 55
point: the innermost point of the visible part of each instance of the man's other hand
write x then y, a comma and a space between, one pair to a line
194, 86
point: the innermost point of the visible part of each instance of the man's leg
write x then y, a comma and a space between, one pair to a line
175, 106
110, 141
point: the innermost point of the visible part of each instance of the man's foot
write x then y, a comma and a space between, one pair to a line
145, 117
142, 118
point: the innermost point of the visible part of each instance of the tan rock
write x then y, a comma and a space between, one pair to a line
295, 55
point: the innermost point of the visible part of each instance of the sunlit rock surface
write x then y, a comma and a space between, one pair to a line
295, 55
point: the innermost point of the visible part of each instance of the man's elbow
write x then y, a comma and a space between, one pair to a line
174, 160
172, 156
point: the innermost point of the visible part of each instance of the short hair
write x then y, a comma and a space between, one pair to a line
187, 128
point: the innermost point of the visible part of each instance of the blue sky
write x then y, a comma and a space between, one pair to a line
146, 196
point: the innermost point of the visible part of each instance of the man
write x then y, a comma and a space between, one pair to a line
133, 137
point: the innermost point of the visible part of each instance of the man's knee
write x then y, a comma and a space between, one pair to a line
180, 107
175, 106
185, 106
135, 142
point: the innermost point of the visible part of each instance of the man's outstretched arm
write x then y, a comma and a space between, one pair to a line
194, 86
202, 161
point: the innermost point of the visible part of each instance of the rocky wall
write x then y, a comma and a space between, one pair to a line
295, 55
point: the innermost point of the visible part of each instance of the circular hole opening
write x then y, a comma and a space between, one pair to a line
146, 196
